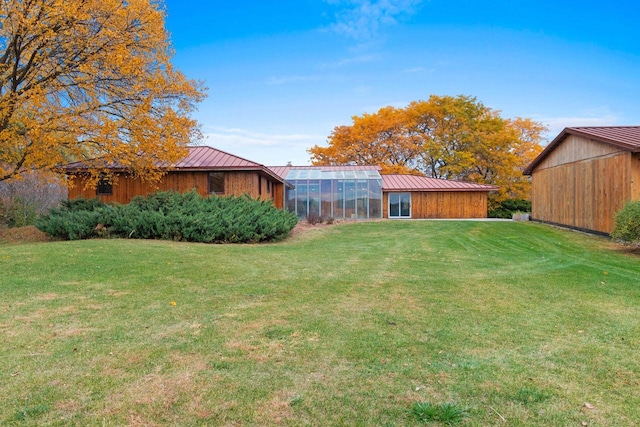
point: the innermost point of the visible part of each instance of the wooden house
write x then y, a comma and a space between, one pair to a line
346, 191
422, 197
586, 175
205, 169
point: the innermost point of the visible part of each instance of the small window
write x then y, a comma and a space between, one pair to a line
268, 187
216, 182
105, 187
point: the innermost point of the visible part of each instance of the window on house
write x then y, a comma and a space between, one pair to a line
216, 182
105, 187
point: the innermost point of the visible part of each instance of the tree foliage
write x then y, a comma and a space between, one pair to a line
87, 79
444, 137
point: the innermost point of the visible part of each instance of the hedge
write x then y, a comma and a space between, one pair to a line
170, 215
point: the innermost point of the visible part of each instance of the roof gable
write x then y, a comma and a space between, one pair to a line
205, 157
623, 137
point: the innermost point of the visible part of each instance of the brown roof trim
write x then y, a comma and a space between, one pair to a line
612, 135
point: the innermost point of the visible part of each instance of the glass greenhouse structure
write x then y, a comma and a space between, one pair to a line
348, 194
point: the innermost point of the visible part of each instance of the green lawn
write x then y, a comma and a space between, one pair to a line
517, 324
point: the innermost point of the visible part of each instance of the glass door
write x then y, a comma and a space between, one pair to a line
399, 205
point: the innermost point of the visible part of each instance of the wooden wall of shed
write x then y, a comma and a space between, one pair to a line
576, 148
587, 190
635, 176
443, 204
278, 194
236, 183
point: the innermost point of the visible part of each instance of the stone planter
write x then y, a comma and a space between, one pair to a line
521, 217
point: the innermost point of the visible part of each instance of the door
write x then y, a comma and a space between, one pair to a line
399, 205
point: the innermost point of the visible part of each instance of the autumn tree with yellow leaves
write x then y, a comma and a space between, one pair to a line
91, 79
444, 137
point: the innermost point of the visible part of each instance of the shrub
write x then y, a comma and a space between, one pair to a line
508, 207
314, 219
172, 216
627, 224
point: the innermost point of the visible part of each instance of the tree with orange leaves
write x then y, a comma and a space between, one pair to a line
90, 79
381, 139
444, 137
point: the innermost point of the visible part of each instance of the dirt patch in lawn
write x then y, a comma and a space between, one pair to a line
625, 249
303, 226
28, 234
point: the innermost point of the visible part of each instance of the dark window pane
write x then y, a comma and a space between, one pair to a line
394, 205
216, 182
105, 187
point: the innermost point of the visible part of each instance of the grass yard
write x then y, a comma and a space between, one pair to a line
392, 323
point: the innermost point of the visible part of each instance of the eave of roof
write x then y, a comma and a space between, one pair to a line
624, 137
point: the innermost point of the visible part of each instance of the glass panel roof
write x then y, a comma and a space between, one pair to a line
296, 174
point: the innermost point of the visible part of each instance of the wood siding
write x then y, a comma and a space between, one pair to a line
443, 204
236, 183
584, 184
278, 195
575, 149
635, 176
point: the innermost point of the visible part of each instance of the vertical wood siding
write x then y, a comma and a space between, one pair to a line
125, 187
574, 149
278, 194
584, 188
635, 176
443, 204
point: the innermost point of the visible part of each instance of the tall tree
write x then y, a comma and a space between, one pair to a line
90, 79
381, 139
444, 137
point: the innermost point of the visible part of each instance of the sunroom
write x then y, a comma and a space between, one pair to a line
349, 193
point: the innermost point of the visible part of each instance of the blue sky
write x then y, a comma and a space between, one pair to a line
282, 74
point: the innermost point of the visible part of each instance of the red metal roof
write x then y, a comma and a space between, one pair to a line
396, 182
201, 158
423, 183
625, 137
282, 171
205, 157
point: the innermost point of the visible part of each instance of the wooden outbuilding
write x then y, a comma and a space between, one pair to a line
421, 197
205, 169
586, 175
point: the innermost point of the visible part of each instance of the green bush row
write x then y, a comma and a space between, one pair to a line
627, 224
171, 216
